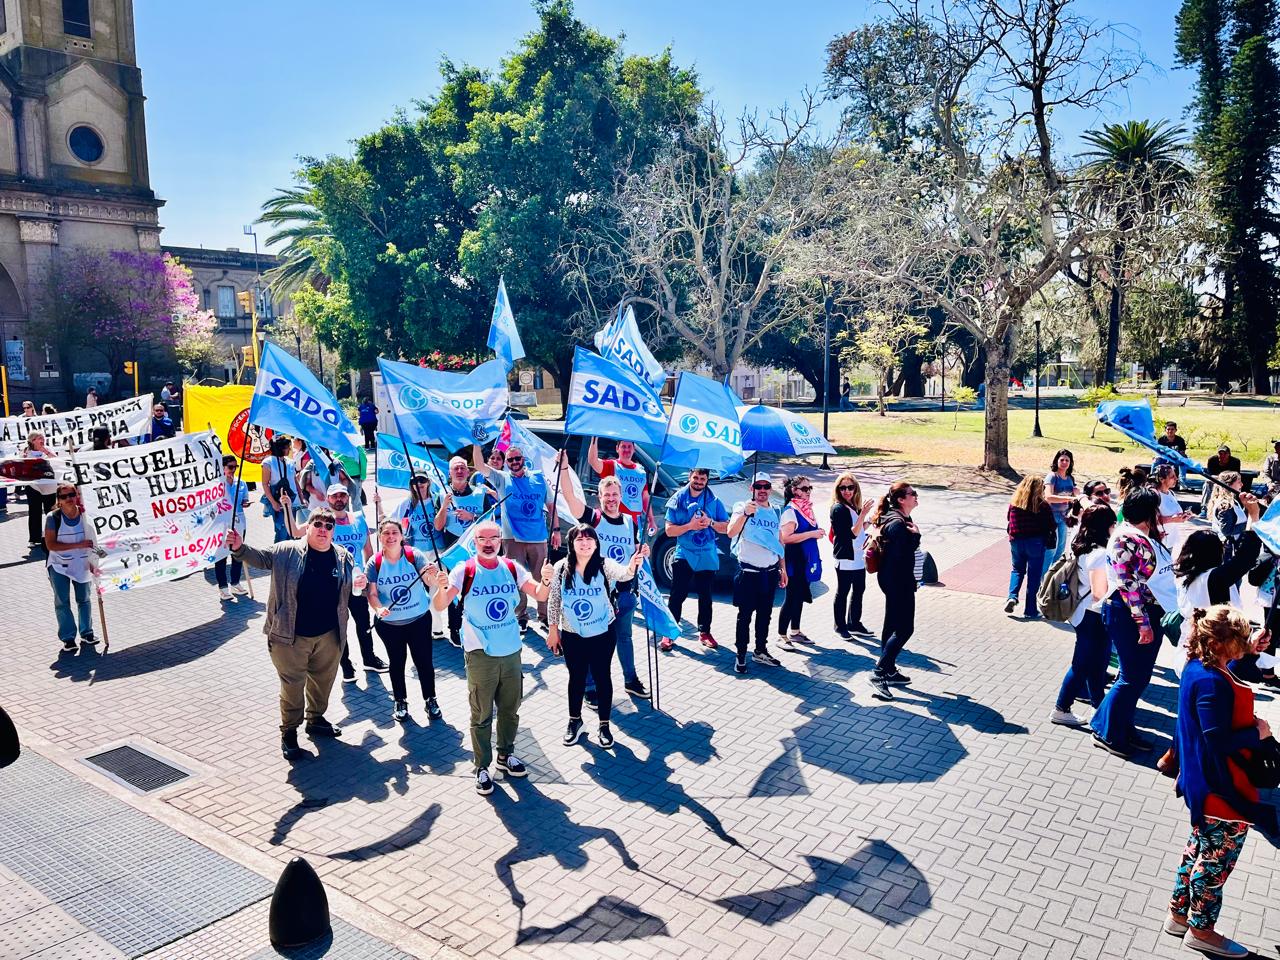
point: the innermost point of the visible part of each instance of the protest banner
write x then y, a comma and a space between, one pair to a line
157, 511
126, 419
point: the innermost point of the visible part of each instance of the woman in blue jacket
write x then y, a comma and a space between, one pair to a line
1216, 730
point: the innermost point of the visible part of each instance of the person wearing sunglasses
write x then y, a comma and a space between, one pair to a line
66, 539
306, 624
848, 516
238, 497
460, 507
694, 516
528, 514
898, 539
351, 531
632, 476
417, 515
753, 530
38, 504
800, 534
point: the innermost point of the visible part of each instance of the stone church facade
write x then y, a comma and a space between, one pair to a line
73, 160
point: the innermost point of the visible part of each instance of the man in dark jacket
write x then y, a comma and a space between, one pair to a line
899, 538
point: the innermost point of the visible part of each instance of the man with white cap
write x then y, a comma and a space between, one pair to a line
460, 507
491, 643
753, 530
351, 531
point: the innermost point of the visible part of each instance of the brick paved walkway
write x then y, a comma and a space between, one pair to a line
784, 813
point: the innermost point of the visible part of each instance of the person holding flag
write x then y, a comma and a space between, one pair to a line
280, 487
237, 499
491, 641
352, 533
619, 536
460, 507
754, 528
631, 475
694, 516
528, 510
417, 515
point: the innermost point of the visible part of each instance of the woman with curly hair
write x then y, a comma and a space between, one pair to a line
1216, 731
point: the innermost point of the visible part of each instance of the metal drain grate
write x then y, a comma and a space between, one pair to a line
134, 768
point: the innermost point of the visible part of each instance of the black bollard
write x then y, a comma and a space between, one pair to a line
299, 907
9, 748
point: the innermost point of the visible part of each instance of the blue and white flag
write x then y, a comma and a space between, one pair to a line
620, 340
454, 409
653, 604
395, 471
504, 338
289, 399
1133, 419
462, 551
1268, 527
704, 430
607, 400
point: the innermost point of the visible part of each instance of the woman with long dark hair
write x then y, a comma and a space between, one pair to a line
848, 517
799, 531
1143, 590
580, 616
1088, 671
1206, 575
279, 479
69, 560
1060, 491
897, 539
399, 593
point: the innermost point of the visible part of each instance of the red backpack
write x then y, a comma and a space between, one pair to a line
469, 574
377, 560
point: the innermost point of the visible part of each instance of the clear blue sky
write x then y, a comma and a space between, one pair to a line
237, 91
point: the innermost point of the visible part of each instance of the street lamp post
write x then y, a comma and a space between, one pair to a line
826, 369
1035, 431
942, 396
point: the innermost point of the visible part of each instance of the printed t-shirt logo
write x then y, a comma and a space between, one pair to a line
581, 609
496, 609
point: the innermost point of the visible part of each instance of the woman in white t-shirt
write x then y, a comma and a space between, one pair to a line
1088, 671
848, 518
69, 564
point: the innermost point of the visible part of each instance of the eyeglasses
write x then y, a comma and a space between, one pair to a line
1102, 492
67, 496
418, 480
845, 486
762, 486
515, 459
803, 489
912, 493
322, 524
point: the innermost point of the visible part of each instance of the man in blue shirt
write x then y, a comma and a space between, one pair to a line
694, 516
161, 424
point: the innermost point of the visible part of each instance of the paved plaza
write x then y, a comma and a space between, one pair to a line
784, 813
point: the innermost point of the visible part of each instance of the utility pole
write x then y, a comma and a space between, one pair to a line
826, 369
1035, 431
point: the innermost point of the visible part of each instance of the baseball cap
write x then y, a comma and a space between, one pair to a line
762, 478
337, 488
1224, 449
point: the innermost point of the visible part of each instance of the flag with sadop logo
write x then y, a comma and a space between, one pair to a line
289, 399
1133, 418
453, 409
395, 470
704, 429
653, 604
608, 400
620, 340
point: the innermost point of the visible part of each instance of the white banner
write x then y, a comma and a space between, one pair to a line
158, 511
63, 431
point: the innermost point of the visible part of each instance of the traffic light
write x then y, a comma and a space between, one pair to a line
246, 354
128, 366
245, 299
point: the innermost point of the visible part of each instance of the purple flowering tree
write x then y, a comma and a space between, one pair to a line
123, 305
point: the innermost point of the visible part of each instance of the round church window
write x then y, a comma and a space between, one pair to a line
86, 144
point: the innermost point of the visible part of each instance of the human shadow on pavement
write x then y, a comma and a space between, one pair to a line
185, 646
648, 781
877, 880
414, 832
541, 827
342, 771
961, 710
608, 920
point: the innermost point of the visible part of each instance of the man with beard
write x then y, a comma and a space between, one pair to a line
694, 516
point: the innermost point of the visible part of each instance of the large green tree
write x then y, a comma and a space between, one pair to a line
1237, 110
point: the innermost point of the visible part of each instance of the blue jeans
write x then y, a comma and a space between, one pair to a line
1060, 546
282, 528
1113, 720
62, 606
622, 626
1088, 670
1028, 564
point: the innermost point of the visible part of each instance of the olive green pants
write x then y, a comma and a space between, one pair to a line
493, 680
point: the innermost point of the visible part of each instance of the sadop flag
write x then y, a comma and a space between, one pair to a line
704, 430
455, 409
543, 457
1268, 527
504, 338
607, 400
289, 399
620, 340
653, 604
1133, 419
395, 471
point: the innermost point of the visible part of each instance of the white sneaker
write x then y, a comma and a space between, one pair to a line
239, 589
1066, 718
224, 593
784, 643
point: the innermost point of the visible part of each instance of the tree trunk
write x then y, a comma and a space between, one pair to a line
911, 379
1113, 315
1222, 375
995, 444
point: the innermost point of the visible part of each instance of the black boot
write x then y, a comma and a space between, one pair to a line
289, 745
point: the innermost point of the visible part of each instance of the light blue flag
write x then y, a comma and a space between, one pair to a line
653, 604
607, 400
289, 399
462, 551
454, 409
395, 471
704, 430
1268, 527
504, 338
621, 341
1133, 419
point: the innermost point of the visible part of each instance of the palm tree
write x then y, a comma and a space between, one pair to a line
300, 225
1135, 169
